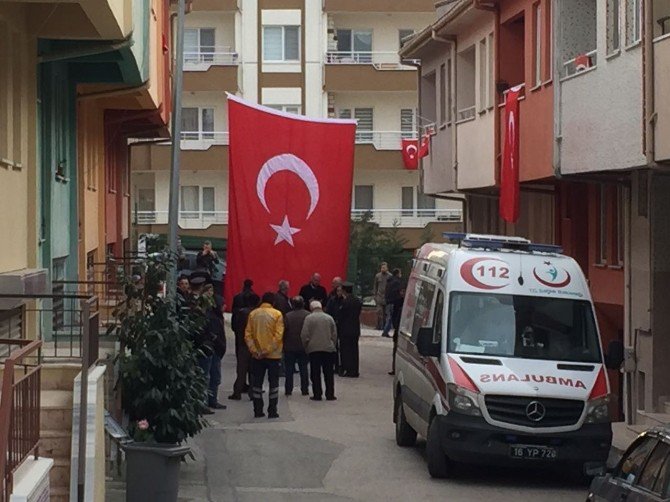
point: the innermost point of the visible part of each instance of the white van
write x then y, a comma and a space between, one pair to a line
499, 358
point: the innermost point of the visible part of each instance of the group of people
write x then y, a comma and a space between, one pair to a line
389, 294
314, 329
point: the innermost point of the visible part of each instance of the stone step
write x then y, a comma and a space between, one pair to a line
55, 443
59, 476
56, 410
59, 376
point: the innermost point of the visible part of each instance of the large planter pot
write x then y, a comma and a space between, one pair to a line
152, 471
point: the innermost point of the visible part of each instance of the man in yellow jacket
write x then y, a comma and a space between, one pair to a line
264, 336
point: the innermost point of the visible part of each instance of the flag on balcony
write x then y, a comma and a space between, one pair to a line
424, 146
410, 153
509, 173
289, 198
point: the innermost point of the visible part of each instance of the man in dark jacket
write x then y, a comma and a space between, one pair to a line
293, 349
349, 331
314, 291
207, 258
240, 299
218, 334
242, 353
282, 301
334, 297
393, 286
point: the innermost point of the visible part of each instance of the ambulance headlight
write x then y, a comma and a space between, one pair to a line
462, 400
598, 411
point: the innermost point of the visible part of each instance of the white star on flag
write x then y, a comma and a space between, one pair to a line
285, 232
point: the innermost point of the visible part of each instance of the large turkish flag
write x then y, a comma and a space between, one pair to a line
509, 173
289, 199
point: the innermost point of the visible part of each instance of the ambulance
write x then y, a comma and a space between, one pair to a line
499, 358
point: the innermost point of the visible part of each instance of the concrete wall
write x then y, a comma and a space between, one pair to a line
222, 22
600, 104
662, 97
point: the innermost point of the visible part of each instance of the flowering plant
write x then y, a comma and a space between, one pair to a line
142, 431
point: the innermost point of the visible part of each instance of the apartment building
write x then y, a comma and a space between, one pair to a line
337, 58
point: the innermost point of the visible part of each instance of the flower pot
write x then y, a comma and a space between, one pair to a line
152, 471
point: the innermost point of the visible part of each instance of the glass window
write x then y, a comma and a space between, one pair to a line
190, 201
492, 91
207, 120
344, 41
424, 301
633, 21
437, 317
443, 93
355, 45
191, 45
407, 201
189, 123
448, 90
529, 327
483, 77
651, 474
281, 43
407, 125
207, 43
295, 109
537, 20
364, 118
426, 205
603, 245
208, 205
631, 465
403, 36
344, 113
662, 483
363, 197
291, 43
613, 31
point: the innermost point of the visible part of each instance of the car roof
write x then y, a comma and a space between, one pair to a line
661, 430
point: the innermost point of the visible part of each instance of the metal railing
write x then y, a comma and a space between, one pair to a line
381, 60
187, 219
209, 55
466, 113
19, 409
202, 140
570, 68
384, 140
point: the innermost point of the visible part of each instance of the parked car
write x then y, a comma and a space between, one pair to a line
642, 474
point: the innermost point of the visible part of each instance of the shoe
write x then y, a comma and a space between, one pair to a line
305, 393
208, 411
332, 398
287, 393
235, 397
391, 373
273, 414
386, 335
245, 388
259, 415
218, 406
314, 398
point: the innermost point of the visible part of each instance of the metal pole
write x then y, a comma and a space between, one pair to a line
83, 400
173, 209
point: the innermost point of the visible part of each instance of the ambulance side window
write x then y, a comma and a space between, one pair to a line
422, 311
437, 317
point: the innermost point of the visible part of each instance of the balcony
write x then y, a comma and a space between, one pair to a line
187, 219
203, 140
385, 6
580, 64
209, 75
383, 140
207, 56
368, 71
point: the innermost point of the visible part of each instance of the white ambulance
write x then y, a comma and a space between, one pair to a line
499, 358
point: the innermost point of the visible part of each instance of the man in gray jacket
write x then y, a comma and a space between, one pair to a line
319, 337
294, 352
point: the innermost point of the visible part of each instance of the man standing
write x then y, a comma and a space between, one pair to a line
282, 301
242, 354
240, 299
333, 302
207, 258
319, 336
183, 291
293, 349
314, 291
379, 290
349, 331
393, 286
264, 336
218, 334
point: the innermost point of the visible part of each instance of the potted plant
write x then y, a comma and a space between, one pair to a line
162, 386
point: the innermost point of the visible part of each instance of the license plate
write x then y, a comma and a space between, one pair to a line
533, 452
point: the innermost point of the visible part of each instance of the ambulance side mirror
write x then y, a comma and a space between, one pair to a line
425, 344
614, 356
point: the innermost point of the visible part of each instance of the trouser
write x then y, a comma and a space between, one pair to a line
349, 354
290, 358
388, 323
258, 369
243, 357
395, 349
381, 315
322, 362
205, 363
214, 380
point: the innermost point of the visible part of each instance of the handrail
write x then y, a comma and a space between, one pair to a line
368, 58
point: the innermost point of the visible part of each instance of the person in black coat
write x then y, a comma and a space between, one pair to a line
282, 301
242, 353
217, 333
349, 331
393, 286
314, 291
240, 299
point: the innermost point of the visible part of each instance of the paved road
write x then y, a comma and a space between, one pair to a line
337, 451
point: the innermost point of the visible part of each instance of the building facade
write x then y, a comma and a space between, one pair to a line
319, 59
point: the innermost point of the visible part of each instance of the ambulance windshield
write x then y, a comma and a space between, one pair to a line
529, 327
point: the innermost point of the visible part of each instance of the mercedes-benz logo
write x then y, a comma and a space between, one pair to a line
535, 411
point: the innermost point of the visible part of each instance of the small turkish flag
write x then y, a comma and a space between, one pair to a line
509, 172
410, 153
424, 146
289, 197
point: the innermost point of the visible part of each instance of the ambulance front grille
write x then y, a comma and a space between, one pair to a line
534, 412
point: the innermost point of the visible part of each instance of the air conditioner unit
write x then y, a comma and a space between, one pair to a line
27, 281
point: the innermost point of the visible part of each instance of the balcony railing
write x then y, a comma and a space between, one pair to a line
202, 140
466, 114
570, 66
207, 56
383, 140
404, 218
381, 60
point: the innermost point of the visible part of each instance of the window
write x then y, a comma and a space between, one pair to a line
651, 477
483, 74
447, 91
613, 32
11, 327
424, 301
443, 93
537, 27
465, 86
281, 43
633, 21
193, 198
355, 45
199, 45
407, 124
295, 109
197, 123
619, 229
437, 318
429, 98
58, 288
208, 205
364, 119
403, 35
363, 198
407, 201
631, 465
426, 205
602, 225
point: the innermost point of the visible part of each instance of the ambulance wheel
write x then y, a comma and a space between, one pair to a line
438, 464
405, 435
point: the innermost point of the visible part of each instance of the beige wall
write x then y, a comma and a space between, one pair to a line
222, 22
386, 106
18, 139
662, 98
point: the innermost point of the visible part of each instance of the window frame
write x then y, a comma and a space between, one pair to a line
283, 43
285, 108
610, 29
199, 212
602, 248
537, 44
201, 132
404, 133
355, 199
637, 19
407, 212
199, 45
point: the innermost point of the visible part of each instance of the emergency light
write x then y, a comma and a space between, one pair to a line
500, 242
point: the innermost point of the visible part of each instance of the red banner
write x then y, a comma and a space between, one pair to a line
289, 197
509, 173
410, 153
424, 146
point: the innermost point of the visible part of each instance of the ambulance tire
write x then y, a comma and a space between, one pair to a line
438, 463
405, 435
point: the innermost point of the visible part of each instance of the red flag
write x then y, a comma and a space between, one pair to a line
289, 198
410, 153
509, 173
424, 146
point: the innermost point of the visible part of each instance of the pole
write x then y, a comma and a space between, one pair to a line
173, 209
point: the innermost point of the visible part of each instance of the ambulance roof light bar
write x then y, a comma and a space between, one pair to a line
499, 242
